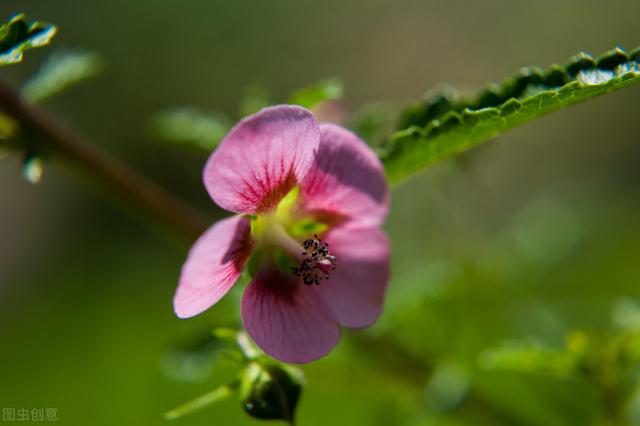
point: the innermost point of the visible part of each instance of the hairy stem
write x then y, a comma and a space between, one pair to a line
133, 190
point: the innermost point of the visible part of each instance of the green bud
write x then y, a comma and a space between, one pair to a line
270, 390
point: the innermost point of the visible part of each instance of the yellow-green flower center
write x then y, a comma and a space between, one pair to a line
288, 237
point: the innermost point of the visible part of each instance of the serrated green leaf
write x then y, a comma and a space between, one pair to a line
60, 71
191, 127
310, 96
17, 36
444, 125
219, 394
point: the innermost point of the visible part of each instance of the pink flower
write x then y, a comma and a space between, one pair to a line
310, 200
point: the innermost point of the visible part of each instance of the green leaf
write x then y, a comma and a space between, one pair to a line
191, 127
526, 357
18, 36
310, 96
443, 124
270, 390
216, 395
60, 71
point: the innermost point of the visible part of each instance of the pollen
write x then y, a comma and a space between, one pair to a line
317, 262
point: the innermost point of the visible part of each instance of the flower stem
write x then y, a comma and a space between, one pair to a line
134, 191
219, 394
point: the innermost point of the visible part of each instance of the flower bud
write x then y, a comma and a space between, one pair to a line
270, 390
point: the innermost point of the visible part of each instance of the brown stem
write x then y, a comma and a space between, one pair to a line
133, 190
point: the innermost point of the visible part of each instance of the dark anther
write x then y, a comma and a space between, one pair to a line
317, 264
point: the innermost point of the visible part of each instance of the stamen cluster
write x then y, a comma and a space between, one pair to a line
317, 263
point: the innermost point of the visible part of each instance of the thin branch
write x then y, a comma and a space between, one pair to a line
133, 190
219, 394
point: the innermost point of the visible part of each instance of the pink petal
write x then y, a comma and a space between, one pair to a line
286, 319
355, 289
262, 159
347, 179
213, 266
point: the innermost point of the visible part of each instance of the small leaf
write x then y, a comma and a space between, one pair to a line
310, 96
526, 357
60, 71
216, 395
191, 127
33, 168
443, 125
270, 390
18, 36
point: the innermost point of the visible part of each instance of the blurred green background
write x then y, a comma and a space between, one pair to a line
528, 239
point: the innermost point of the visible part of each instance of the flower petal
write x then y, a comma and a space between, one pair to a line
213, 266
262, 159
355, 289
347, 179
286, 319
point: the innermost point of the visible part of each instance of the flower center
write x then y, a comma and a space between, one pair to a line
317, 262
278, 234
